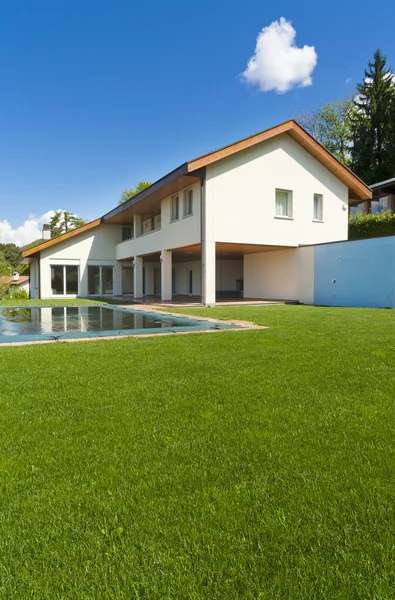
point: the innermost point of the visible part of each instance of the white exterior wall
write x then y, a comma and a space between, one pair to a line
280, 275
227, 272
182, 269
240, 191
183, 232
25, 286
93, 247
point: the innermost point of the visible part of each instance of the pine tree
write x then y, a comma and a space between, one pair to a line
63, 221
373, 128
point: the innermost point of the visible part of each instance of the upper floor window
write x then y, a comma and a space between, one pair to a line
284, 203
318, 207
188, 202
175, 201
127, 232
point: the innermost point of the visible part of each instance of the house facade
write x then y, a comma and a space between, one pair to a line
237, 222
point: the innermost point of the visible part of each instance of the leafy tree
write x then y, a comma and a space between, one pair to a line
12, 254
373, 123
63, 221
330, 124
127, 194
5, 267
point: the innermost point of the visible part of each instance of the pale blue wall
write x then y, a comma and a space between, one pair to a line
364, 271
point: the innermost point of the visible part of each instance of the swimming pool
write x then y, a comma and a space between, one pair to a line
34, 323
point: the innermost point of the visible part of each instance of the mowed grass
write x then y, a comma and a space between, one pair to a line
235, 465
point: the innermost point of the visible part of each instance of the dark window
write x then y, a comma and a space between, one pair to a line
107, 280
71, 280
64, 280
93, 280
57, 283
127, 232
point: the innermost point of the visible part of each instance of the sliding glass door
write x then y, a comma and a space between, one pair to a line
64, 280
100, 280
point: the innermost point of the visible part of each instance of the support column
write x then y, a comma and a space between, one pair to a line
136, 226
208, 273
166, 274
138, 277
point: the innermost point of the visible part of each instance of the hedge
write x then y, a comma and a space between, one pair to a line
361, 226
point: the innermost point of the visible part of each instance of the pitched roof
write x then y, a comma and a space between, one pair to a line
294, 130
10, 279
60, 238
192, 170
358, 190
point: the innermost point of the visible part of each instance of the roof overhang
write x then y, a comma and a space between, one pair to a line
358, 190
148, 201
383, 187
33, 252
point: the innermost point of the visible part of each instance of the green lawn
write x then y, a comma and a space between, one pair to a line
235, 465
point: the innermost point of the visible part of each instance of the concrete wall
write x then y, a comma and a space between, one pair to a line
94, 247
241, 191
280, 275
358, 273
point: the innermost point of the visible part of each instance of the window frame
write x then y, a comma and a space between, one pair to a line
64, 268
124, 228
188, 202
289, 214
100, 267
175, 201
320, 213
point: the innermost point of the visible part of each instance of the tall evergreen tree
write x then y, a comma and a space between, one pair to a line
63, 221
373, 127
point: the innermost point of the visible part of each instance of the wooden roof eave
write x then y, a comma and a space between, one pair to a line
35, 250
357, 188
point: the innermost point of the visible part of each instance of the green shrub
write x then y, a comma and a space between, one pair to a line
361, 226
18, 294
4, 289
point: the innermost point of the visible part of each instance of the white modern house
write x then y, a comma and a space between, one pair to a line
237, 222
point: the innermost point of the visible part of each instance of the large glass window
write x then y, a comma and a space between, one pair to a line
107, 280
283, 203
57, 286
379, 205
93, 280
100, 280
64, 280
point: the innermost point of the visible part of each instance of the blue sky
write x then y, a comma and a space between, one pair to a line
96, 95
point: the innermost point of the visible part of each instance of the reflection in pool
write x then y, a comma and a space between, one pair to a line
38, 322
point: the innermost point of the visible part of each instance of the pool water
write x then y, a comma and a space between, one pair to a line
62, 322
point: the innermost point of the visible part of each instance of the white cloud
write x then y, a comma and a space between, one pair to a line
278, 64
349, 80
26, 233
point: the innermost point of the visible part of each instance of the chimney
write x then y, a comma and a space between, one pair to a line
15, 276
46, 232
